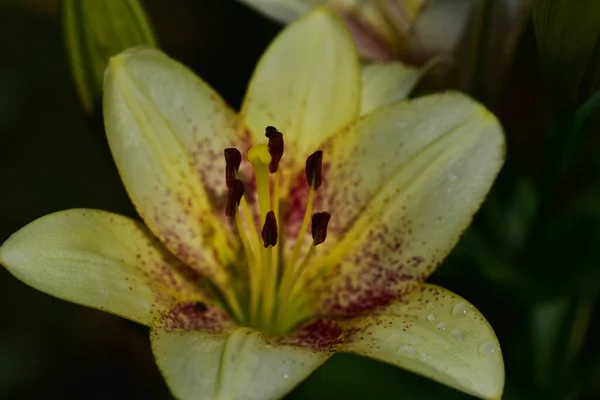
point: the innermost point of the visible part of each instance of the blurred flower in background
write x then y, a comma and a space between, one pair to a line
477, 38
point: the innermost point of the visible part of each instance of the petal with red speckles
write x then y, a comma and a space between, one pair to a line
167, 130
236, 363
401, 186
307, 84
100, 260
435, 333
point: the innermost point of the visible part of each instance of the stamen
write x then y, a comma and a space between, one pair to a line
269, 236
260, 159
275, 147
233, 159
236, 190
319, 233
314, 166
269, 231
319, 227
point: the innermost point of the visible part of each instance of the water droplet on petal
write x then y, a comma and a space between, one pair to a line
441, 326
460, 309
488, 348
431, 317
457, 334
406, 349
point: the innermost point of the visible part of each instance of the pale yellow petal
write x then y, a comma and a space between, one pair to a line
435, 333
441, 26
401, 187
284, 11
167, 130
307, 84
98, 259
236, 364
386, 83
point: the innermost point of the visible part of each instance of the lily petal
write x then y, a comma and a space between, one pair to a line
283, 11
386, 83
100, 260
435, 333
307, 84
401, 187
167, 130
237, 364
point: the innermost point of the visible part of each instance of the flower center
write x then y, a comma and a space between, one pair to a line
272, 301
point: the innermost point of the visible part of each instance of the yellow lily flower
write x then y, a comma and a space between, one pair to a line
263, 256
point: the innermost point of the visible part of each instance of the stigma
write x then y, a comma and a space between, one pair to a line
269, 296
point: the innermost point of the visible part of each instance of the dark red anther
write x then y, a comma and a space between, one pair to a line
269, 230
319, 226
275, 147
236, 189
233, 159
314, 166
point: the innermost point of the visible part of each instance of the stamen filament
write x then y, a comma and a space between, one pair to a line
276, 211
252, 261
269, 288
234, 303
254, 235
298, 271
287, 283
260, 158
303, 228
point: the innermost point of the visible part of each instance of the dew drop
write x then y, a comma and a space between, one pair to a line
429, 305
457, 334
285, 376
431, 317
488, 348
407, 349
268, 346
452, 177
441, 326
449, 190
460, 309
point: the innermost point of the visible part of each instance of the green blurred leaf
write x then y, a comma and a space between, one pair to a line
94, 31
510, 210
566, 254
579, 130
569, 45
559, 330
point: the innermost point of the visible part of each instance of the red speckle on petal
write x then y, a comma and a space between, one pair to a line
194, 317
322, 335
